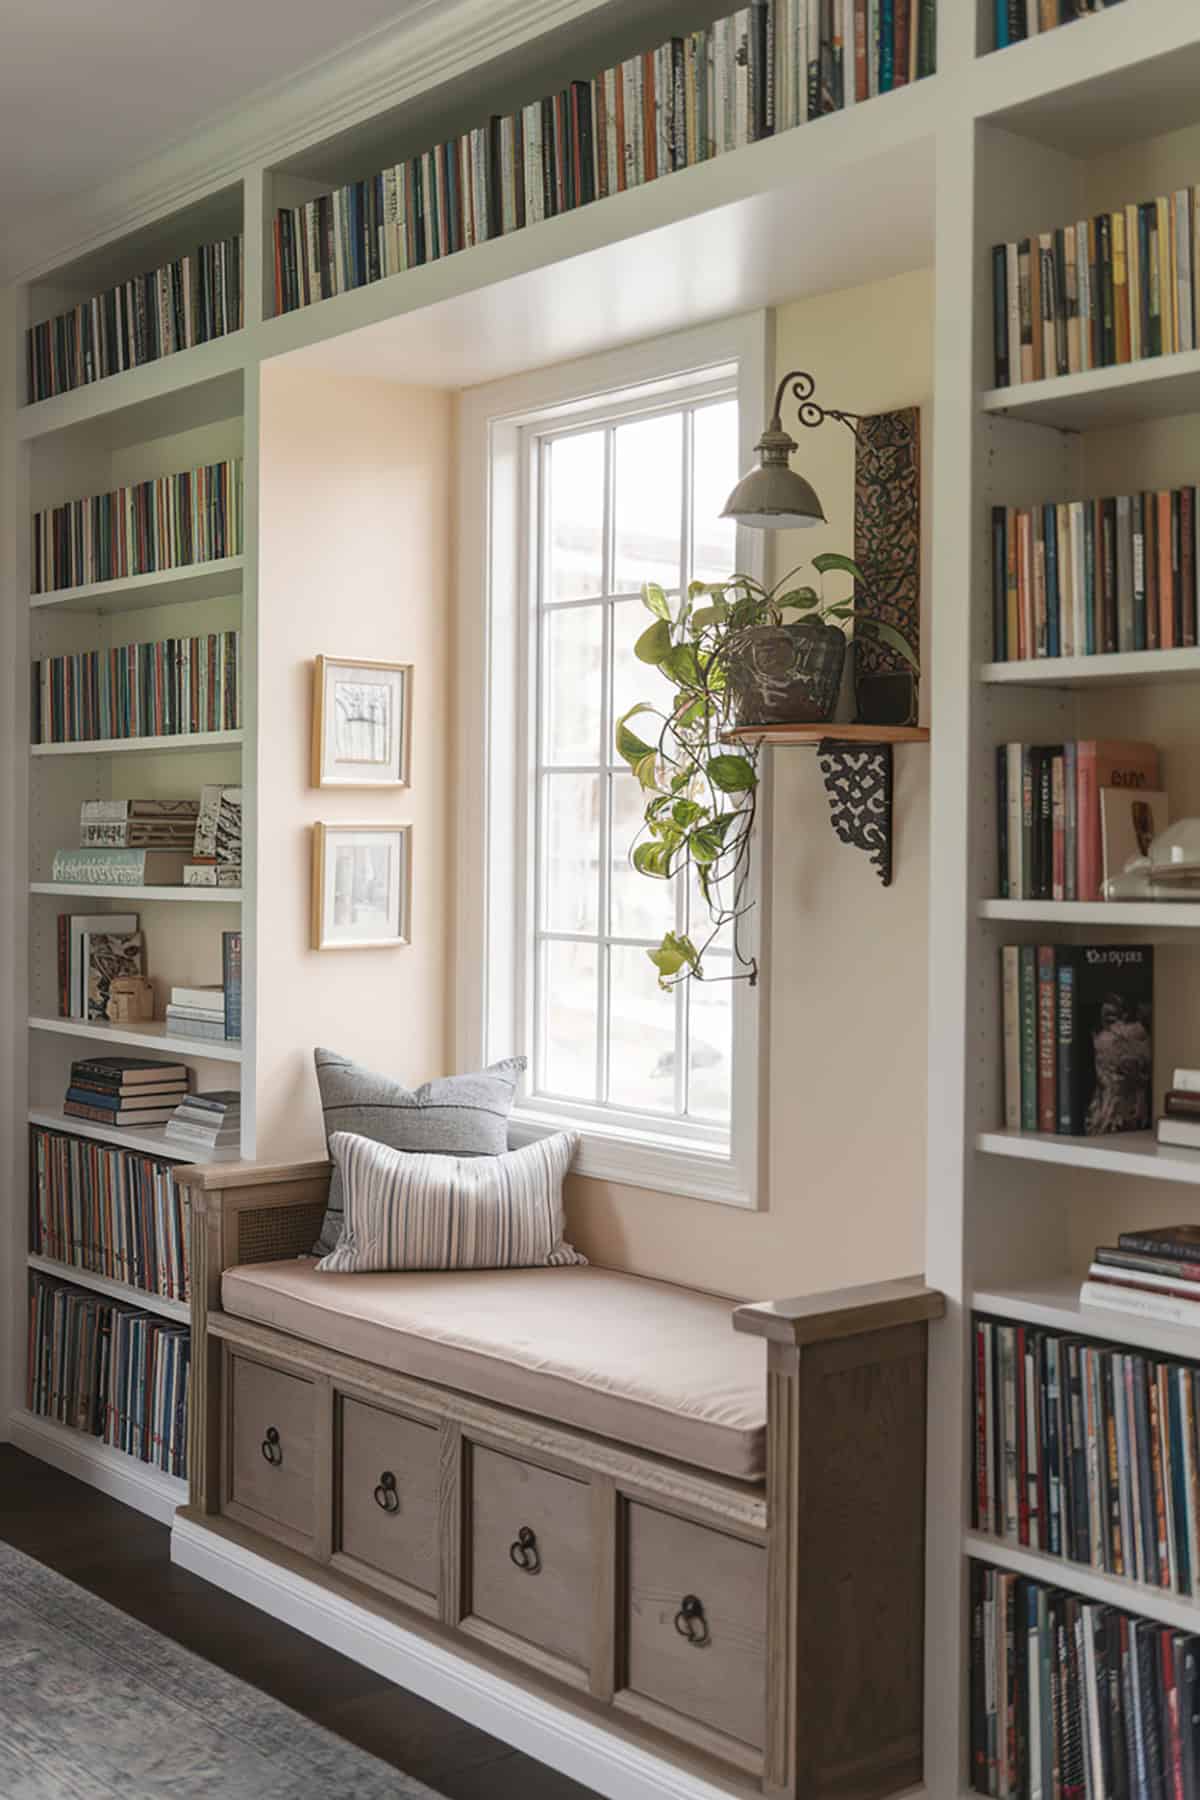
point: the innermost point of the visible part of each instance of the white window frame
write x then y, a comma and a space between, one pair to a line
495, 513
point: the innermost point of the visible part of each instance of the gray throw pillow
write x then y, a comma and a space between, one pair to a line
459, 1115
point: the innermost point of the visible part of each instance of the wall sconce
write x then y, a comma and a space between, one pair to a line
774, 497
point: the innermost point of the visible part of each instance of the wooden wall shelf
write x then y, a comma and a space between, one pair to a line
816, 734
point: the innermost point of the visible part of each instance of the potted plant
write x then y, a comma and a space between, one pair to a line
735, 654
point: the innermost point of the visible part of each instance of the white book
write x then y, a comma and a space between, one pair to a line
611, 148
312, 240
1078, 588
1028, 1375
1034, 1686
1010, 956
338, 245
1181, 1134
1084, 285
1143, 1302
872, 48
1183, 234
1187, 1080
1093, 1760
800, 58
741, 79
1016, 854
848, 66
1134, 264
785, 100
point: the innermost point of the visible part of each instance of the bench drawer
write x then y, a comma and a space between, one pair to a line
531, 1554
696, 1623
272, 1439
389, 1494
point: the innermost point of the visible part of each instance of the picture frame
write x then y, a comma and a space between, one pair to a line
361, 886
361, 722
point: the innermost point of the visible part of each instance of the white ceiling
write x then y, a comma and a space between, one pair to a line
91, 88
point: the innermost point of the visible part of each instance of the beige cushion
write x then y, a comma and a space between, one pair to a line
652, 1365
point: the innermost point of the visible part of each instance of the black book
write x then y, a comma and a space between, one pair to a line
1188, 1667
1000, 645
549, 163
1080, 1549
1002, 823
1104, 292
979, 1757
1017, 26
581, 111
1110, 1069
1108, 573
1116, 1550
1141, 1412
1117, 1748
1147, 1675
677, 134
758, 69
1000, 319
1062, 354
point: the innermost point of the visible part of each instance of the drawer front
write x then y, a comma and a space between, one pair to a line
695, 1626
531, 1554
389, 1494
272, 1441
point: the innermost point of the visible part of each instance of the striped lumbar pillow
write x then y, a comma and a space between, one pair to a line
458, 1115
421, 1211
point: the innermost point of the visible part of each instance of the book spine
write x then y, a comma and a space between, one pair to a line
1029, 1038
1067, 1122
1011, 979
1046, 1039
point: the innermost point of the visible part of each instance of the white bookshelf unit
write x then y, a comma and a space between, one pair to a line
991, 147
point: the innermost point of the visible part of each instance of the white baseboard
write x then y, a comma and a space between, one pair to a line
575, 1746
124, 1477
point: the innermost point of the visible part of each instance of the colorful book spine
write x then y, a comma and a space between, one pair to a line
172, 688
171, 522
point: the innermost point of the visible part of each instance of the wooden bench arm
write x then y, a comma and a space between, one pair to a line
210, 1177
842, 1312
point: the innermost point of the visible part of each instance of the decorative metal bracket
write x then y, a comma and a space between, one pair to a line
858, 780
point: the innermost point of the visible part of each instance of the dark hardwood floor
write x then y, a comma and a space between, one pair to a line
125, 1557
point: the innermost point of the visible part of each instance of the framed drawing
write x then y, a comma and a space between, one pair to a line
361, 886
362, 723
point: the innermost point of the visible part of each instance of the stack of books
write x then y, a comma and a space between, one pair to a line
1155, 1272
186, 302
196, 1012
211, 1121
171, 688
1090, 577
1070, 816
770, 66
1017, 20
1078, 1038
1180, 1121
169, 523
133, 1091
1097, 292
138, 824
217, 840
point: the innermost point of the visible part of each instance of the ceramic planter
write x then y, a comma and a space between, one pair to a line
786, 674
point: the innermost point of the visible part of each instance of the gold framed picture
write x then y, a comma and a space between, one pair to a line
362, 722
361, 886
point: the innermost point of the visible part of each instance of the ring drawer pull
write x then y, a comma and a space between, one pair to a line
691, 1623
385, 1493
271, 1448
525, 1553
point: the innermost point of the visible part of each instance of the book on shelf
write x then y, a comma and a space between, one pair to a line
171, 522
1050, 812
1074, 1697
173, 688
97, 867
1078, 1024
113, 1211
212, 875
110, 1371
1097, 292
190, 1022
208, 999
231, 971
137, 824
107, 955
136, 1118
217, 838
75, 930
129, 1071
211, 1120
771, 66
190, 300
1096, 577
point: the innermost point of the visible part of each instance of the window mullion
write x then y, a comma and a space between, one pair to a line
680, 994
534, 983
604, 961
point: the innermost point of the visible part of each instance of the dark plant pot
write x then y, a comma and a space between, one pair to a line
786, 674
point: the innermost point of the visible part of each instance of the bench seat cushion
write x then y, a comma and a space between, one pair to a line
651, 1365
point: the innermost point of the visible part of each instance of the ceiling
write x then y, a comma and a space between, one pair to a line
91, 88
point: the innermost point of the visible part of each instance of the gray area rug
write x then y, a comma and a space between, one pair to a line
95, 1704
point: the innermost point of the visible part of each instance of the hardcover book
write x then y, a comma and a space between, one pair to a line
119, 868
1109, 1019
107, 955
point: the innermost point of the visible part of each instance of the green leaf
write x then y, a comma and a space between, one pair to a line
829, 560
673, 955
655, 601
704, 616
894, 640
646, 769
651, 859
800, 598
630, 747
688, 812
680, 666
843, 610
732, 774
654, 643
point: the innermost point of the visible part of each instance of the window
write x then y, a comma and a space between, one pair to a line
618, 502
579, 484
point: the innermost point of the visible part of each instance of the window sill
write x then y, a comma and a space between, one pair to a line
642, 1160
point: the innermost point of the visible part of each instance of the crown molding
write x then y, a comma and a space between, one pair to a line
435, 43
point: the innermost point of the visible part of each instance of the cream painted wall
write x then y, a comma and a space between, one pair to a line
848, 959
353, 561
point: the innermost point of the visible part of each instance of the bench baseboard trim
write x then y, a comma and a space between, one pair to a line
572, 1745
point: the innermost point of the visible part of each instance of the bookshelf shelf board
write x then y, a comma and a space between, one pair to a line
1145, 915
108, 891
1157, 387
198, 581
125, 1477
1169, 1608
1053, 1301
816, 734
151, 1141
191, 740
1132, 666
151, 1034
116, 1290
168, 376
1130, 1153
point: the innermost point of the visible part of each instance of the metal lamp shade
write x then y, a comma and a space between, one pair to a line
774, 498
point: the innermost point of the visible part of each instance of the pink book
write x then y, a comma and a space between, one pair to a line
1101, 763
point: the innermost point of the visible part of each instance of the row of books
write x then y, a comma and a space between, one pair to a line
1074, 1700
1102, 291
113, 1212
1155, 1273
94, 949
772, 65
1017, 20
1089, 577
171, 688
140, 529
1088, 1452
152, 842
1070, 816
1078, 1038
111, 1371
188, 301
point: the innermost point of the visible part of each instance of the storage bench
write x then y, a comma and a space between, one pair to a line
712, 1537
